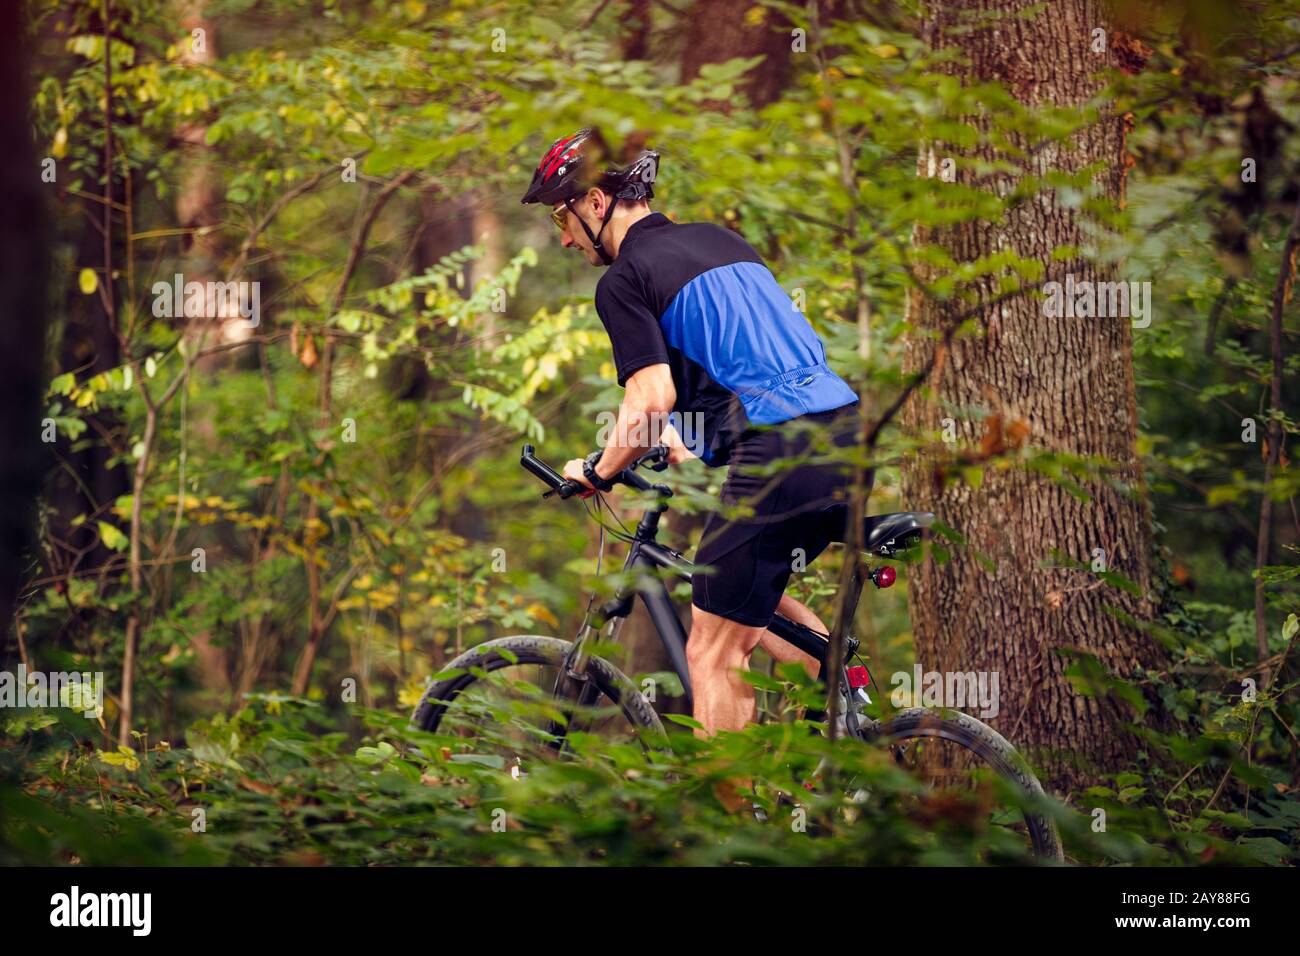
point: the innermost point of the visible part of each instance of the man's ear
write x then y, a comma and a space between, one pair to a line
598, 202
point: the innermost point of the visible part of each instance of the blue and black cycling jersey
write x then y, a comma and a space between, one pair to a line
698, 297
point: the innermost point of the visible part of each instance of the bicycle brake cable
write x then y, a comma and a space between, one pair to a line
614, 514
600, 545
624, 535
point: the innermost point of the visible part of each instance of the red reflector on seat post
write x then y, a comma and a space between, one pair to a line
884, 577
858, 677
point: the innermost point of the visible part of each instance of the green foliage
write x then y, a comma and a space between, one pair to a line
411, 533
284, 781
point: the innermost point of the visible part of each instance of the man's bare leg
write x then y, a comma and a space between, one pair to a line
717, 655
785, 652
719, 650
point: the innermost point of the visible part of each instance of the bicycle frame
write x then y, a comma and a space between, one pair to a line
648, 554
882, 537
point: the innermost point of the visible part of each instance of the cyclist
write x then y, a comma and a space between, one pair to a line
700, 329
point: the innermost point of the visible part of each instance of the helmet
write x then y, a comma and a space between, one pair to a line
576, 163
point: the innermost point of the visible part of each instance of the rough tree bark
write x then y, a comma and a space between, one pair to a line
1070, 381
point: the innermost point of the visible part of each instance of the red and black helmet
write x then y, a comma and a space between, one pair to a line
575, 163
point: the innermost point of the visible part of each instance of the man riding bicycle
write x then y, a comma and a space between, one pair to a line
701, 330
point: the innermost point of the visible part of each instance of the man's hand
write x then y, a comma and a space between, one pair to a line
573, 471
677, 451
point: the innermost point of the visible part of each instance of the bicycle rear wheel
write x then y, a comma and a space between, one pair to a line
495, 704
923, 740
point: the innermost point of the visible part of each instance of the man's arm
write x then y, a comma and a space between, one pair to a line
648, 399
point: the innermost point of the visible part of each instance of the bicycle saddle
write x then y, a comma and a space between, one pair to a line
881, 534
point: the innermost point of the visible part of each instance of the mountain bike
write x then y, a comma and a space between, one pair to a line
516, 699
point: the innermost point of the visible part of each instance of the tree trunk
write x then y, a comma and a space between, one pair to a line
1070, 381
79, 482
721, 30
221, 668
87, 485
636, 33
24, 305
718, 32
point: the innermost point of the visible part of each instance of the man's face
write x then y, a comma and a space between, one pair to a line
573, 236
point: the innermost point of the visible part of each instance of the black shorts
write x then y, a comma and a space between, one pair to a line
752, 557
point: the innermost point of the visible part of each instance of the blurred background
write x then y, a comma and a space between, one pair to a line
212, 509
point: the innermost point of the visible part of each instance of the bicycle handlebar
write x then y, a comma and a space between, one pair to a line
656, 457
542, 470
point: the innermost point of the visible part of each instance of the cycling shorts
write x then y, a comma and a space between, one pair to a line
752, 557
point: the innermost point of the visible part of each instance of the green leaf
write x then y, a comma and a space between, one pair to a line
112, 537
377, 755
685, 721
125, 758
28, 720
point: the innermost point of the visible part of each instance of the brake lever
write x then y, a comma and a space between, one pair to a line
660, 458
567, 490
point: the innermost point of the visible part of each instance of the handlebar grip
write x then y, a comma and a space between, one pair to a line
566, 488
557, 482
540, 468
569, 488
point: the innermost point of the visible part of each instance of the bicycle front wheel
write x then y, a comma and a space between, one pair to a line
951, 751
496, 704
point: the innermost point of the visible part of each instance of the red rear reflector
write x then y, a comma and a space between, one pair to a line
885, 577
858, 676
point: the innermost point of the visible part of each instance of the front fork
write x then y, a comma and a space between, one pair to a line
573, 683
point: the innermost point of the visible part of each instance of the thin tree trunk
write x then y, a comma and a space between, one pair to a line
126, 700
1276, 436
319, 621
198, 209
850, 580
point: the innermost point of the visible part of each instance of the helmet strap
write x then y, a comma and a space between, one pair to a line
605, 257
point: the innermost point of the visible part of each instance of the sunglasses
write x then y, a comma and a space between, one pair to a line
560, 216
